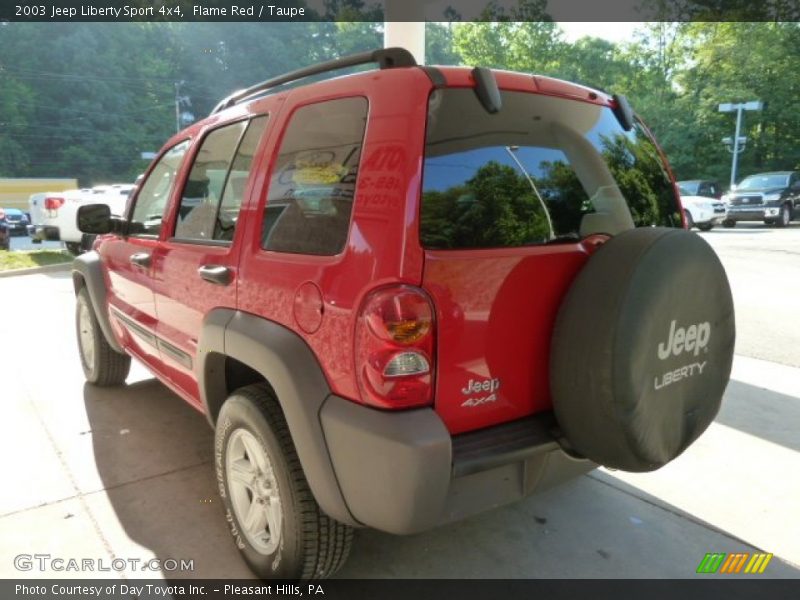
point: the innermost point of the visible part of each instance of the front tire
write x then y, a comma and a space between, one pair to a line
273, 517
689, 219
102, 365
706, 227
785, 216
73, 248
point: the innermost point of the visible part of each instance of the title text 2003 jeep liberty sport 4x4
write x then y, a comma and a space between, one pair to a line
408, 295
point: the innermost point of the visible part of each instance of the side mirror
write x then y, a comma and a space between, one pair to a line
97, 219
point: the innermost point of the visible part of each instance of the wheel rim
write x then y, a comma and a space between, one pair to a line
253, 489
86, 335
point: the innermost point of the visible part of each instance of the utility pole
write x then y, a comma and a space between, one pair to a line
737, 145
178, 106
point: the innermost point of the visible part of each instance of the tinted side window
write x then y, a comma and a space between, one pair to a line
203, 190
152, 198
314, 180
233, 194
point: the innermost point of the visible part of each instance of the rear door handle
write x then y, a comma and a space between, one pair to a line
216, 274
141, 259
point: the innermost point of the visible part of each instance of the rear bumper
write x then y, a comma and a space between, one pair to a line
44, 233
403, 473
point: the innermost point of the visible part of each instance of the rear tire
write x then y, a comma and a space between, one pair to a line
102, 365
73, 248
706, 227
729, 223
275, 521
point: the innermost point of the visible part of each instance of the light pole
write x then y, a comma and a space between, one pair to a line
738, 108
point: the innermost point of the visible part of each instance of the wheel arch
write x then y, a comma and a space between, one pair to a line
87, 272
236, 349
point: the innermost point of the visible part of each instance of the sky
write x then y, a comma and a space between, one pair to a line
613, 32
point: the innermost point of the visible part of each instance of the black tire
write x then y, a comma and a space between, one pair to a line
639, 366
784, 217
729, 223
73, 248
689, 219
102, 365
311, 544
706, 227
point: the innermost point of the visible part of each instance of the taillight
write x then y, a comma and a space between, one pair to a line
53, 203
394, 348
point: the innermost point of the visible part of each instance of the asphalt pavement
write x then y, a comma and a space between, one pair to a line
127, 472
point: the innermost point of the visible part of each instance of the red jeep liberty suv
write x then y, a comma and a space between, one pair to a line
408, 295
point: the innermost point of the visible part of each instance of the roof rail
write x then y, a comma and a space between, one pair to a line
386, 58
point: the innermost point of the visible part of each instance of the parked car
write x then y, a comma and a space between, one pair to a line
54, 213
405, 296
773, 198
5, 237
702, 212
700, 187
15, 220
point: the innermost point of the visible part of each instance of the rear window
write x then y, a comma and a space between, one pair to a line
542, 169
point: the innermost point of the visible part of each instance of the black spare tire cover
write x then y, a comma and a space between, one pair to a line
642, 348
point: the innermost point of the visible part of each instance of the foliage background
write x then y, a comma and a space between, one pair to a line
85, 99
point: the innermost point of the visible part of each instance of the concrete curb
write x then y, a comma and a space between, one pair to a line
66, 266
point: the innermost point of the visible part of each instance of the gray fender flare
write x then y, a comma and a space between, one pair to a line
284, 359
87, 271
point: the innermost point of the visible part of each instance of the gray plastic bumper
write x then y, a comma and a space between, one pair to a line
397, 472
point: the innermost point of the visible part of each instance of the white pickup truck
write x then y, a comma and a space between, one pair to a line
53, 214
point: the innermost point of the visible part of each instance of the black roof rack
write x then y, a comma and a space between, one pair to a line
386, 58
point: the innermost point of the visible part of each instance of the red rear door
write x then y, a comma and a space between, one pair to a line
195, 267
507, 202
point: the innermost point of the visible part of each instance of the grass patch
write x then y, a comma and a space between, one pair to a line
11, 261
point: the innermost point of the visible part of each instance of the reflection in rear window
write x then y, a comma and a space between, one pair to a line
542, 169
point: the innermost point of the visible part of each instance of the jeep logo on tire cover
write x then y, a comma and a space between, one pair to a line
685, 339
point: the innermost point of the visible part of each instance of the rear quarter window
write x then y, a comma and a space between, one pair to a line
313, 183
